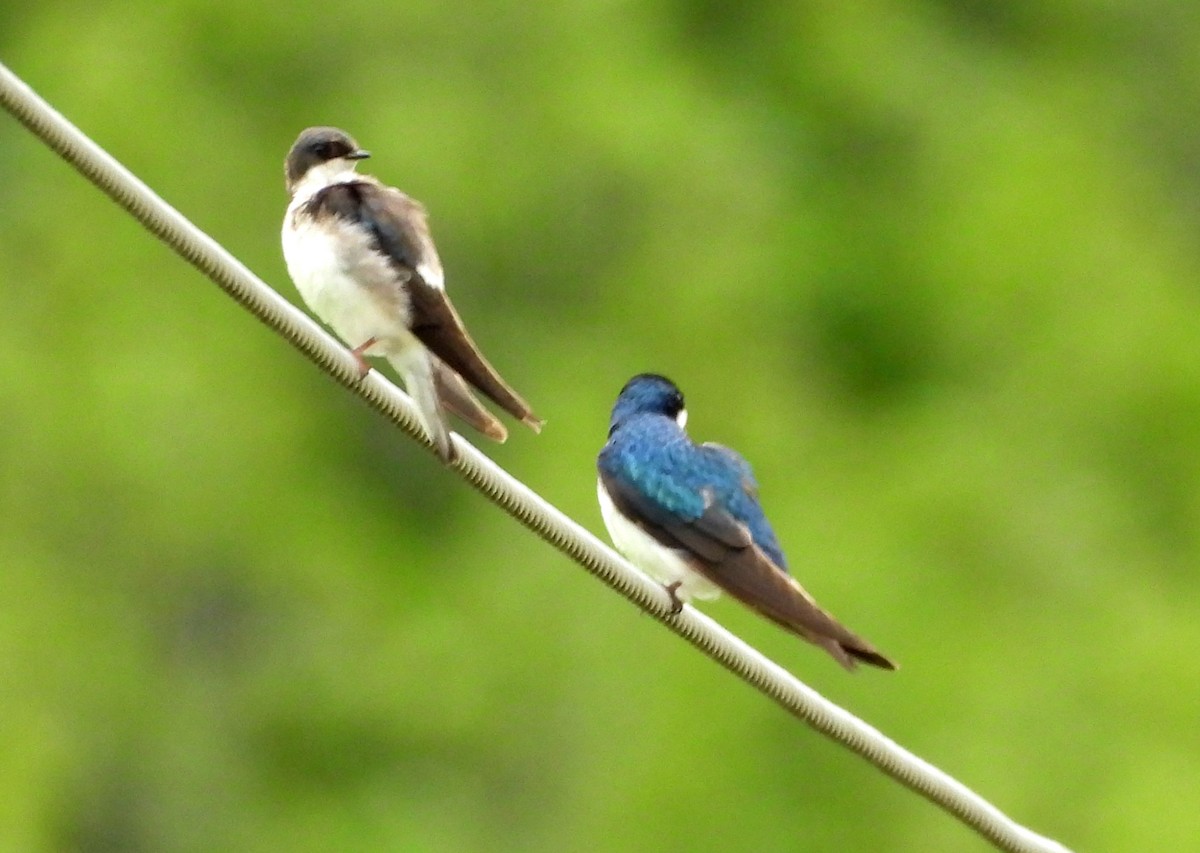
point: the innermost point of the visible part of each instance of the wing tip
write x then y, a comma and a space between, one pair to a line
533, 422
851, 656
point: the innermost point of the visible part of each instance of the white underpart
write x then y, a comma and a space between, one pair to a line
340, 276
416, 366
665, 565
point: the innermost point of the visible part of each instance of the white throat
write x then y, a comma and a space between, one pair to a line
322, 175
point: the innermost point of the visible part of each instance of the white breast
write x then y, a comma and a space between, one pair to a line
643, 550
344, 281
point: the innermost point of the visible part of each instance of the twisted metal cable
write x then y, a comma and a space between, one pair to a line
513, 496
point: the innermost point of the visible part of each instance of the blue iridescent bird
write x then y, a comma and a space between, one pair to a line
688, 515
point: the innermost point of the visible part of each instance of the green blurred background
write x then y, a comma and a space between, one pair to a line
933, 267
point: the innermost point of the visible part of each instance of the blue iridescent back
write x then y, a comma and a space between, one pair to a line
648, 449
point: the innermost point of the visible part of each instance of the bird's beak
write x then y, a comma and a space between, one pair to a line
358, 155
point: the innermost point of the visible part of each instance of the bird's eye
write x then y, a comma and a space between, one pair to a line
326, 150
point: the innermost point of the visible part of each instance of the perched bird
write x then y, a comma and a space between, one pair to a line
362, 258
688, 514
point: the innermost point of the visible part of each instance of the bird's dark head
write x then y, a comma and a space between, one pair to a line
321, 147
648, 394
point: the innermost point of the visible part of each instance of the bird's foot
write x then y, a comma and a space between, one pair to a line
359, 353
676, 602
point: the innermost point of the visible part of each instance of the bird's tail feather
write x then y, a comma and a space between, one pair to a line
869, 655
418, 370
456, 397
803, 616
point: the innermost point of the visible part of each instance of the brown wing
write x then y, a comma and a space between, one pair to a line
401, 230
437, 325
749, 576
719, 547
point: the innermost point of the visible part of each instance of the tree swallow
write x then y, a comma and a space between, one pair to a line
362, 258
688, 514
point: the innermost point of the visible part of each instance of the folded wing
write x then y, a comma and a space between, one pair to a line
722, 549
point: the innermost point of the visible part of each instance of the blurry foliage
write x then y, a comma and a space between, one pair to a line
932, 266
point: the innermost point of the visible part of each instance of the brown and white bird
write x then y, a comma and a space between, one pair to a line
362, 258
688, 515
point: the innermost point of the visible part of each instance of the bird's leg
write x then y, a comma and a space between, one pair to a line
359, 353
676, 602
